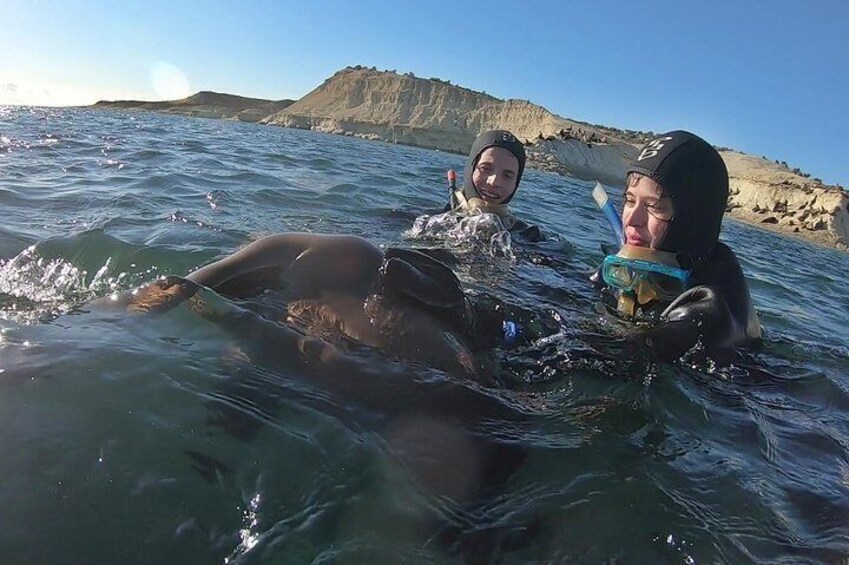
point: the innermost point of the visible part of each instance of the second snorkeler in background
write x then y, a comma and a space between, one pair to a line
490, 181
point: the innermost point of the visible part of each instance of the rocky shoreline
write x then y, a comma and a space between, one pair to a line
434, 114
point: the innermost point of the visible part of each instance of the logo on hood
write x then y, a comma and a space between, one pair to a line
653, 147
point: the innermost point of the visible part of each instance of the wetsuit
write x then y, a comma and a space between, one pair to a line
517, 227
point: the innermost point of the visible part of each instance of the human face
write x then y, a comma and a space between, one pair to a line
495, 174
646, 213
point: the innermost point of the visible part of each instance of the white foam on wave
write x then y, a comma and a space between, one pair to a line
33, 288
470, 232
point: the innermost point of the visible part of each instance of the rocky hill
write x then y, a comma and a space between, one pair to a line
433, 113
207, 104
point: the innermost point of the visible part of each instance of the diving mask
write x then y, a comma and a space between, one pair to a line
643, 275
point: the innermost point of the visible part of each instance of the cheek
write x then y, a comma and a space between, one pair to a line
477, 178
657, 229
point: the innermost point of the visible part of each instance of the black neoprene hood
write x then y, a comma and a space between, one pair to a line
495, 138
693, 174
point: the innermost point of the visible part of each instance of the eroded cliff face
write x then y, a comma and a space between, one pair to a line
405, 109
764, 193
605, 162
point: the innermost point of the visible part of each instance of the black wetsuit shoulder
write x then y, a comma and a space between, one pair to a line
526, 231
722, 272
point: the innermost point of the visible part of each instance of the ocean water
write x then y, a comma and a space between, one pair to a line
170, 439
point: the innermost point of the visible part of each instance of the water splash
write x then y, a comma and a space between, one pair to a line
478, 231
34, 288
249, 537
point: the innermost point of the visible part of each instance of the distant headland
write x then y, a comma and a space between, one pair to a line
432, 113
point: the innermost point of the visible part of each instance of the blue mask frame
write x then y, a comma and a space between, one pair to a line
628, 274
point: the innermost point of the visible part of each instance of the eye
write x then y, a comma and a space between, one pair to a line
660, 210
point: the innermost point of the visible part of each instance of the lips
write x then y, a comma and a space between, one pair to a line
635, 240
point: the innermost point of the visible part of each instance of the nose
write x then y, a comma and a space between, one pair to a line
635, 215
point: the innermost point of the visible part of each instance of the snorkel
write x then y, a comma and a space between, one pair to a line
452, 183
610, 214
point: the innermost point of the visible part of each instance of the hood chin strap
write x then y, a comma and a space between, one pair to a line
475, 204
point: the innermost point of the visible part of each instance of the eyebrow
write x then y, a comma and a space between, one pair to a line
654, 199
490, 164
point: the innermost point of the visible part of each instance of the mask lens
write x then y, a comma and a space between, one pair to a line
631, 274
618, 274
666, 286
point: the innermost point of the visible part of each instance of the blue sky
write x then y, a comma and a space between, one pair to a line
767, 78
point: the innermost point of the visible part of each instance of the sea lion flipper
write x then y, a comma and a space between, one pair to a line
161, 295
422, 278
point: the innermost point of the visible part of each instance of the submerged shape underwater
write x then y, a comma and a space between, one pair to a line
168, 438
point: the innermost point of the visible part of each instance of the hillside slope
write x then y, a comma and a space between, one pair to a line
206, 104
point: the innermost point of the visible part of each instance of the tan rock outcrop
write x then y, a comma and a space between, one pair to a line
434, 114
603, 162
415, 111
766, 193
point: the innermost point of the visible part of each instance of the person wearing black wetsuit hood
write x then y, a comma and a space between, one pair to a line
490, 181
673, 269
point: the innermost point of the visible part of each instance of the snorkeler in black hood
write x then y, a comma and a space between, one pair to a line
491, 178
673, 269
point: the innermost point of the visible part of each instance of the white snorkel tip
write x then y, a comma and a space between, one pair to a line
609, 210
600, 195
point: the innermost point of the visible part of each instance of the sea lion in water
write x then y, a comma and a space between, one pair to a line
401, 302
